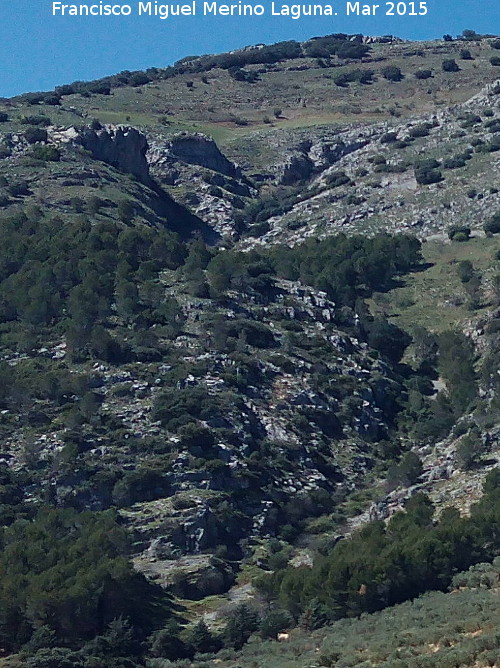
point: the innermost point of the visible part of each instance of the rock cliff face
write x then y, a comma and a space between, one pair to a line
121, 147
487, 97
312, 157
378, 189
193, 149
298, 167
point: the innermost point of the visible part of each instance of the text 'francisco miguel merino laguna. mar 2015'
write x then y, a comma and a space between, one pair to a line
240, 8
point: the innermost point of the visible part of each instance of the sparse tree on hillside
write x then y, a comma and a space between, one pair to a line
392, 73
450, 65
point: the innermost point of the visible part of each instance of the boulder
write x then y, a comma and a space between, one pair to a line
121, 147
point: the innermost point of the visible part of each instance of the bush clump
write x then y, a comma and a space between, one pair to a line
423, 74
419, 131
459, 233
392, 73
492, 226
454, 162
450, 65
427, 172
34, 135
46, 153
40, 120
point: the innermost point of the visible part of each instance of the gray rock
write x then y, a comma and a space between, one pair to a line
194, 149
121, 147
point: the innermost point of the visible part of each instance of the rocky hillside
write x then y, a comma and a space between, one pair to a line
248, 305
338, 150
360, 179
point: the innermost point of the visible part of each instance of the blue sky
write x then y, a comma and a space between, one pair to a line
39, 51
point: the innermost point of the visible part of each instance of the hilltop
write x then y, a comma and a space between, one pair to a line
334, 150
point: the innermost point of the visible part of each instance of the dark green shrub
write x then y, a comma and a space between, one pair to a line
489, 147
407, 472
465, 271
388, 339
34, 135
389, 138
363, 76
239, 74
175, 408
419, 131
450, 65
354, 50
341, 80
336, 179
240, 626
469, 451
493, 125
392, 73
46, 153
167, 644
426, 172
455, 162
492, 226
43, 121
202, 640
460, 236
259, 229
214, 191
469, 120
138, 486
469, 35
459, 233
98, 88
126, 210
19, 189
358, 75
139, 79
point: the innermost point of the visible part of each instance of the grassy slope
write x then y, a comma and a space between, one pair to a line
306, 96
431, 297
436, 630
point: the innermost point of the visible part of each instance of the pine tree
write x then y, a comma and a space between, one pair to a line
202, 640
240, 626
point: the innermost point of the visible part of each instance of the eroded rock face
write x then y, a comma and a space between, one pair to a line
192, 577
199, 533
488, 96
193, 149
297, 168
121, 147
311, 158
